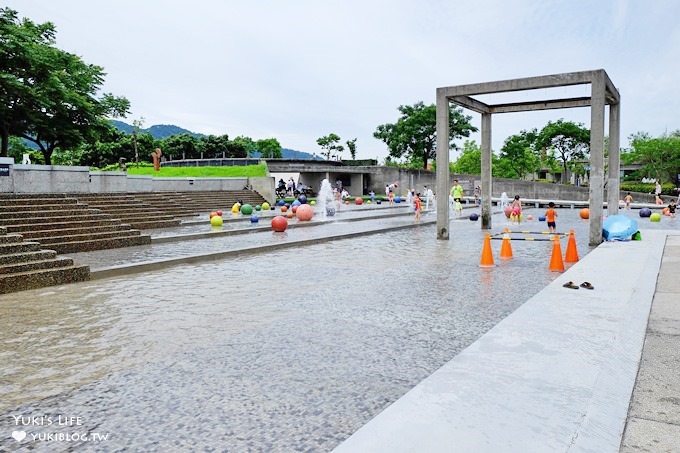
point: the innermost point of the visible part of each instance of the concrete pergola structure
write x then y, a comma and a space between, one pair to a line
603, 92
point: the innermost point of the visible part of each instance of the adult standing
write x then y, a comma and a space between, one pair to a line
657, 188
456, 192
429, 197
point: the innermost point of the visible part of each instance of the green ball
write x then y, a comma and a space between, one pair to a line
216, 220
246, 209
265, 206
655, 217
313, 203
258, 207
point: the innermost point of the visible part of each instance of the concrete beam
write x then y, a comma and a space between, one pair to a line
470, 103
613, 182
540, 105
527, 83
442, 165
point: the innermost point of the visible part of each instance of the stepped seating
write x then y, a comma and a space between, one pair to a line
205, 202
134, 211
63, 223
26, 265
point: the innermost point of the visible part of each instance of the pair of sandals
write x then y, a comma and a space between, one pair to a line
586, 285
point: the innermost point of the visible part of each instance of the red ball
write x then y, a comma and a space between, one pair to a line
359, 200
508, 211
279, 223
219, 212
304, 212
585, 213
213, 214
294, 209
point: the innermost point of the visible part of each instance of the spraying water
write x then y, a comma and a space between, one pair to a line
325, 200
504, 200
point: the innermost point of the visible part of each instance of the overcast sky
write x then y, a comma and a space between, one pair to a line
299, 70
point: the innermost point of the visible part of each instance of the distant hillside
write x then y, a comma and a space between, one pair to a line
161, 131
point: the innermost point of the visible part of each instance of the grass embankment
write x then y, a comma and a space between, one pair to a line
250, 171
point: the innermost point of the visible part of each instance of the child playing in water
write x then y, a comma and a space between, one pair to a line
417, 203
550, 215
671, 208
628, 200
516, 213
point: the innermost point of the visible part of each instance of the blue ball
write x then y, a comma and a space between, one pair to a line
397, 199
296, 203
645, 212
541, 218
378, 202
254, 219
303, 199
474, 217
281, 202
330, 212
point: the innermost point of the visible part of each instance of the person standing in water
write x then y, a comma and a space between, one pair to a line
516, 212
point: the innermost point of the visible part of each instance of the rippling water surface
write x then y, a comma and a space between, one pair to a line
291, 350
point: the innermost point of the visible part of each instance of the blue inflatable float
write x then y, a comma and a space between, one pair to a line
618, 227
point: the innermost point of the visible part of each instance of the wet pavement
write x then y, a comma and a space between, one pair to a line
291, 349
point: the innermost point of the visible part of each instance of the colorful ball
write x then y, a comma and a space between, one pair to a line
359, 200
541, 218
474, 217
397, 199
258, 207
655, 217
295, 208
296, 203
254, 219
330, 212
530, 217
313, 202
265, 206
377, 201
289, 214
246, 209
368, 201
507, 211
216, 221
213, 214
284, 208
219, 212
304, 212
645, 212
281, 202
584, 213
346, 201
279, 224
303, 199
272, 208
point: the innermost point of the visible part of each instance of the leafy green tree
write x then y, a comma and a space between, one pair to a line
185, 145
352, 147
247, 143
269, 147
329, 145
518, 154
470, 160
237, 150
52, 94
414, 135
569, 140
659, 157
214, 145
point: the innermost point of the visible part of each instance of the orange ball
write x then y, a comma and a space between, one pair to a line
347, 202
289, 215
359, 200
284, 208
304, 212
279, 223
213, 214
585, 213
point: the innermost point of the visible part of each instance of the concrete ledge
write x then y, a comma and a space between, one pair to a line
555, 375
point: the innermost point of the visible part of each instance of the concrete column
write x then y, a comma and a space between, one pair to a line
613, 182
486, 171
596, 158
442, 165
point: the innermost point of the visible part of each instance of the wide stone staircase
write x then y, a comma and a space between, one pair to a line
26, 265
65, 225
135, 211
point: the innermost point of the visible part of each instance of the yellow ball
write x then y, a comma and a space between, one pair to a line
265, 206
216, 221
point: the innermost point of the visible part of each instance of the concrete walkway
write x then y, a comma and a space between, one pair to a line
558, 373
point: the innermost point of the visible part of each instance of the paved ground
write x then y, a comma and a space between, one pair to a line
653, 423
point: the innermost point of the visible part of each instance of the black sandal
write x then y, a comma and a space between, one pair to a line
570, 285
587, 285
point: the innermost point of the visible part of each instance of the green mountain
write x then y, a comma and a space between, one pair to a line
160, 131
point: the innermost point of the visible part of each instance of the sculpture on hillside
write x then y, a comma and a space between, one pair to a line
156, 156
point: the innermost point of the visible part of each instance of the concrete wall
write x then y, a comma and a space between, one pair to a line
197, 184
108, 182
46, 179
265, 187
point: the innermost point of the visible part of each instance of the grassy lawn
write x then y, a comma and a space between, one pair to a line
201, 172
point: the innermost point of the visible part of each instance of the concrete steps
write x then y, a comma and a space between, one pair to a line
25, 265
131, 210
65, 224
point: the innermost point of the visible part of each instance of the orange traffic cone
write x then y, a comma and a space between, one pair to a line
487, 256
571, 256
556, 263
506, 248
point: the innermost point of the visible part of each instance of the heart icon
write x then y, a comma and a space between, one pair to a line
19, 435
